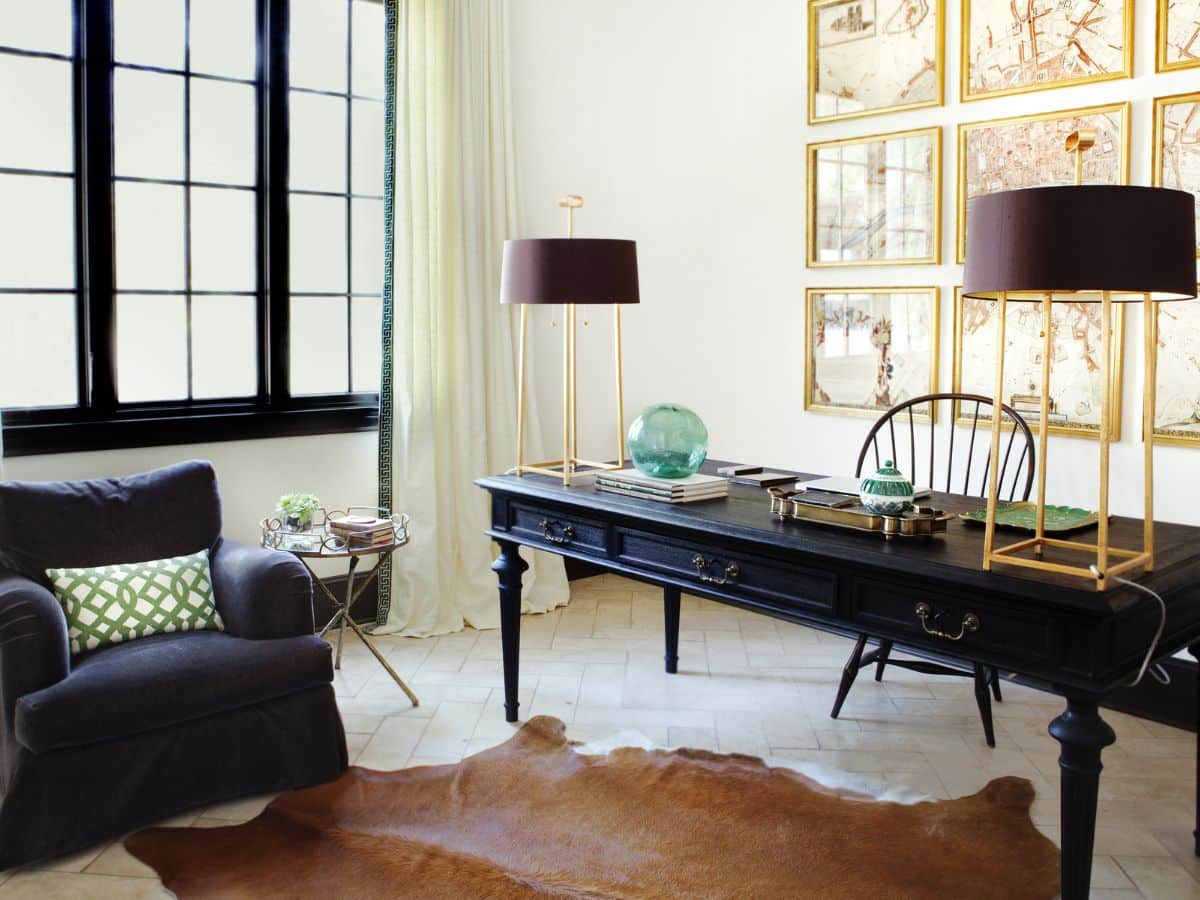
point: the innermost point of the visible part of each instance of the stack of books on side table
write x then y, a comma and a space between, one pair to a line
633, 483
362, 531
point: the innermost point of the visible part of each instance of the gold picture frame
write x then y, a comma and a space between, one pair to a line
984, 383
935, 32
930, 227
967, 93
1162, 36
873, 369
1188, 180
1181, 316
1097, 159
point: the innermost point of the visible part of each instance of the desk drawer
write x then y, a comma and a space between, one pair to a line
711, 568
556, 529
960, 622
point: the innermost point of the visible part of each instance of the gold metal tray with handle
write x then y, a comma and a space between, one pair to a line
922, 521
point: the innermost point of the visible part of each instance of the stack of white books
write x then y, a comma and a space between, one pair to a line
633, 483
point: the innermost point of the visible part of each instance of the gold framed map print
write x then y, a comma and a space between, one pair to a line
869, 348
876, 200
1075, 384
1177, 145
1017, 47
1023, 152
1177, 35
867, 57
1177, 393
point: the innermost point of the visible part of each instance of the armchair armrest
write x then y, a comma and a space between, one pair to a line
261, 594
34, 652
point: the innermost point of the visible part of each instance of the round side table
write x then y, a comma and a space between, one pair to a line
319, 542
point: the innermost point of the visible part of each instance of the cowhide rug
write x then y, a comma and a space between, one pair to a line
532, 817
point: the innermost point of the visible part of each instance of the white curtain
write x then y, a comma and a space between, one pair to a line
453, 347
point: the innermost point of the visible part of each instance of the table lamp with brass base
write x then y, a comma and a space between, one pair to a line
569, 271
1081, 243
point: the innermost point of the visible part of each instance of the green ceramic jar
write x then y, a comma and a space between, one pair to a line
887, 492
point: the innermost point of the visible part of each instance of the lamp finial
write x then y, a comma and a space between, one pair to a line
571, 202
1077, 143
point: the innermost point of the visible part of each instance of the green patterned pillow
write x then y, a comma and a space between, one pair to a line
109, 604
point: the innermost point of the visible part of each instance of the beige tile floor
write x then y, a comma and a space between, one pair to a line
747, 684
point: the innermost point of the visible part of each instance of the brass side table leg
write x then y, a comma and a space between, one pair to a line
344, 610
365, 638
342, 619
333, 621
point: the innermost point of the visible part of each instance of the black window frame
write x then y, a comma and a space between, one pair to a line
99, 421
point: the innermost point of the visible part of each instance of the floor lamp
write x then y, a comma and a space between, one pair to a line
569, 271
1082, 243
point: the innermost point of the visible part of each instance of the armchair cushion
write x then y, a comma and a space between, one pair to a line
155, 682
166, 512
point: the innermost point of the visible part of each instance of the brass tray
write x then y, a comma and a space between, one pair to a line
922, 521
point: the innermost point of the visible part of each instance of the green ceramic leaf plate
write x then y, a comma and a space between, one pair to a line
1023, 517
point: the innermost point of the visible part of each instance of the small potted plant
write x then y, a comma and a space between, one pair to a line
297, 510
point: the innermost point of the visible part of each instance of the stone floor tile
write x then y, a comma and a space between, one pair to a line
1158, 878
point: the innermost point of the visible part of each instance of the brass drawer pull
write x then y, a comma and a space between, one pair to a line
702, 565
566, 532
970, 622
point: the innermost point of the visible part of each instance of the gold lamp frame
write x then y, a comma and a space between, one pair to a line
569, 464
1078, 142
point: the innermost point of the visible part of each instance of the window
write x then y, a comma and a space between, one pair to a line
38, 186
191, 222
336, 194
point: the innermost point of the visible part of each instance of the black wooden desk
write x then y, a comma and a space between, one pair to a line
1059, 633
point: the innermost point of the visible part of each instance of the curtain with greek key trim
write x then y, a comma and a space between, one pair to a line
448, 401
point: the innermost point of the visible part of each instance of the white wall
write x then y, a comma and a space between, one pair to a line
682, 122
340, 469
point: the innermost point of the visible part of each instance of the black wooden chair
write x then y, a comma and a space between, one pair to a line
1017, 455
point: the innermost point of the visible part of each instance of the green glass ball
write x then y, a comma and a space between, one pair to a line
668, 441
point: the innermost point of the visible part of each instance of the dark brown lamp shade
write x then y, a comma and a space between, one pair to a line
569, 270
1086, 238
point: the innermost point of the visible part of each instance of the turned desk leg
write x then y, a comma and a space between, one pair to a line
508, 568
1081, 734
1194, 650
671, 620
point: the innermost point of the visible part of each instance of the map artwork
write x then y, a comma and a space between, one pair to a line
1076, 384
1028, 152
1028, 45
868, 56
1177, 406
1179, 148
1179, 34
875, 200
870, 349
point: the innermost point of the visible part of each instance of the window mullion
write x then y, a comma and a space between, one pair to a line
349, 192
82, 356
95, 227
187, 189
274, 238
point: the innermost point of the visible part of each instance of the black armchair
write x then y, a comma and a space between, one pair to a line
108, 741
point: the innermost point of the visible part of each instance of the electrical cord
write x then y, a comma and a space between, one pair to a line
1157, 672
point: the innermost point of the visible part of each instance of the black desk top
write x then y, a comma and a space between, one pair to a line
957, 555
